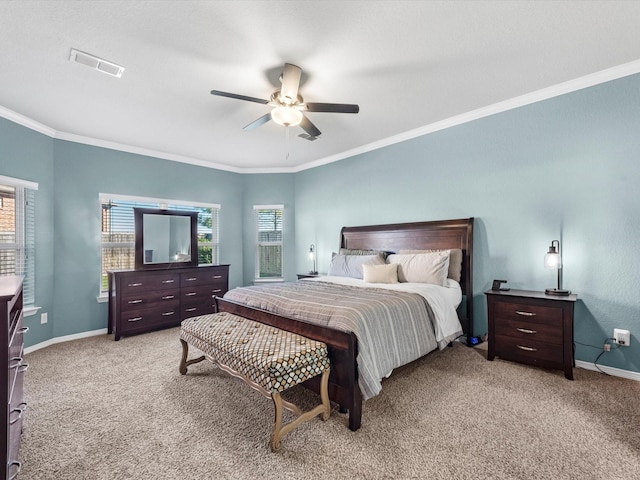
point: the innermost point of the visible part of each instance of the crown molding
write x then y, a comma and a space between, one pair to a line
31, 124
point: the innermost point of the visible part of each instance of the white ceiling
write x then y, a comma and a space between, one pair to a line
412, 66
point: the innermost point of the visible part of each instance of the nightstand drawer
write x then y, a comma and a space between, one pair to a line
530, 351
529, 330
529, 313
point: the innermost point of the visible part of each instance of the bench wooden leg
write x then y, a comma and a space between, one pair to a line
324, 410
184, 363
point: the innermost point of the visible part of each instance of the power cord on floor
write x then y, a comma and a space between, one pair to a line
604, 349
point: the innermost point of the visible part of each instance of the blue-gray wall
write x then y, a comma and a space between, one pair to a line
566, 168
28, 155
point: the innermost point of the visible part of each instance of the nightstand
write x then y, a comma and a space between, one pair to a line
531, 327
307, 275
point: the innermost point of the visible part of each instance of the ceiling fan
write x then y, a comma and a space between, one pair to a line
288, 105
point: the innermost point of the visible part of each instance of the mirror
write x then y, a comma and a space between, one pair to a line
165, 238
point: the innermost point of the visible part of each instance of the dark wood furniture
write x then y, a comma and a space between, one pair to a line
343, 346
145, 300
532, 328
12, 371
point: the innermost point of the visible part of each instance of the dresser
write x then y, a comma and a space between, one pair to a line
145, 300
532, 327
12, 370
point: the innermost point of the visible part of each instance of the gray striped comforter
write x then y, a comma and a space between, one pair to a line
393, 328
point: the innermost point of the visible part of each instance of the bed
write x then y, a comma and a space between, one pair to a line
349, 379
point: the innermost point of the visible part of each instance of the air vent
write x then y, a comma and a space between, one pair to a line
96, 63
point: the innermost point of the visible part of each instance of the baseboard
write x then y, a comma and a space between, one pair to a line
616, 372
66, 338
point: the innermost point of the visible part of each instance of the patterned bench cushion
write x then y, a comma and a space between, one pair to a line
274, 359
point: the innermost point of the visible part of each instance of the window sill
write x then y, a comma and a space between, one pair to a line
29, 311
268, 280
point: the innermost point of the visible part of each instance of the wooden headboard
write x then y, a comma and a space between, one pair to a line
441, 234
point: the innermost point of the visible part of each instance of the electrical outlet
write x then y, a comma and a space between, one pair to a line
43, 318
622, 337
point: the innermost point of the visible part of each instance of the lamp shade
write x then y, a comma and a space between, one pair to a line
312, 257
553, 259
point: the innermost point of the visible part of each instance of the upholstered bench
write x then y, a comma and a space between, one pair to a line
268, 359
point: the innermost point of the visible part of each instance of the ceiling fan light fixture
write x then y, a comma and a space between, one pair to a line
286, 116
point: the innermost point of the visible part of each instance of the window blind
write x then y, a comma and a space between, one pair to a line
17, 233
268, 221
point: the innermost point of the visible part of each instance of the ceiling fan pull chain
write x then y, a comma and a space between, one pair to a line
287, 142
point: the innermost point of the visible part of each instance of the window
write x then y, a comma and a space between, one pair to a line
17, 232
118, 232
268, 241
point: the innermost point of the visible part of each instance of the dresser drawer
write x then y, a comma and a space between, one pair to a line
191, 295
167, 298
149, 318
145, 282
528, 351
203, 277
195, 310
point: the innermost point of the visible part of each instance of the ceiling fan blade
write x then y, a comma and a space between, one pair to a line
332, 107
290, 83
239, 97
260, 121
309, 127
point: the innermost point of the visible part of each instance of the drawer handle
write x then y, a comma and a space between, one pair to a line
217, 276
526, 330
15, 359
166, 314
168, 297
190, 294
135, 319
217, 290
135, 284
192, 279
527, 349
16, 464
20, 409
134, 301
23, 330
192, 309
525, 314
167, 281
23, 368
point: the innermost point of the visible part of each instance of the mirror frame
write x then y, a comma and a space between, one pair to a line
138, 216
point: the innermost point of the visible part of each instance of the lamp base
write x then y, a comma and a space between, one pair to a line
311, 272
558, 292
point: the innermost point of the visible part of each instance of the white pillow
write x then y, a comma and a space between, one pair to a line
380, 273
422, 267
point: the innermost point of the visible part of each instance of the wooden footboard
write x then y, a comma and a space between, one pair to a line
342, 347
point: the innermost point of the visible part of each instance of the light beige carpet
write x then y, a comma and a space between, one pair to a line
100, 409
